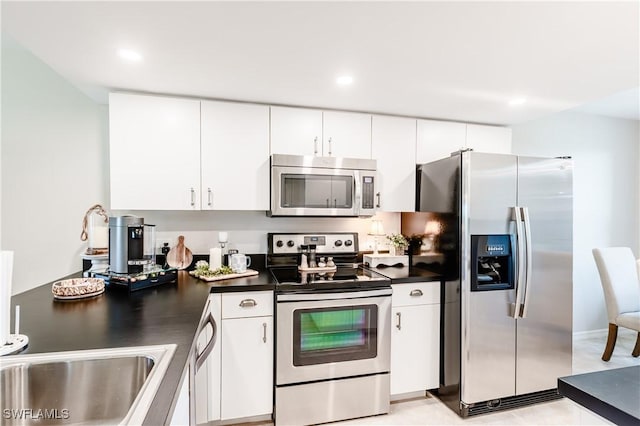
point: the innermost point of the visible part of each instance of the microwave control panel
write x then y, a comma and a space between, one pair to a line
367, 192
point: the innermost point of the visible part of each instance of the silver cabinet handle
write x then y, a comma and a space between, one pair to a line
335, 203
209, 197
248, 303
264, 332
378, 195
202, 357
327, 203
399, 323
193, 197
315, 145
416, 293
329, 146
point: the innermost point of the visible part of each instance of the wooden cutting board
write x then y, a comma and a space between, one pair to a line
180, 256
248, 273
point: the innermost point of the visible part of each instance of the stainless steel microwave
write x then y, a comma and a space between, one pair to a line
323, 186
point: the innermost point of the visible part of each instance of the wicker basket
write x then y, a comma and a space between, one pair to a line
77, 288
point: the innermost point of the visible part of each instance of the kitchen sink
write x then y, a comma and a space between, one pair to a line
92, 387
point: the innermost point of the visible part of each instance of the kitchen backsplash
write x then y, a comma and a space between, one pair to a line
247, 230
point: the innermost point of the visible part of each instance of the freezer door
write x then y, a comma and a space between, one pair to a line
544, 342
488, 338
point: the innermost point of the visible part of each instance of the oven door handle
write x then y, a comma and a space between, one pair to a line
298, 297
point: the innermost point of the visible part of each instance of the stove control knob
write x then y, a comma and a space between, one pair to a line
348, 243
279, 243
290, 243
338, 243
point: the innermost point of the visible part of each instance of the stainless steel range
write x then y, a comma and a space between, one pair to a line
333, 332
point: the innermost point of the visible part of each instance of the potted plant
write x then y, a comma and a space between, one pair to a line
398, 244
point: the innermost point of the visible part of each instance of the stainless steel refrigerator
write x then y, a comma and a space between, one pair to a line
506, 235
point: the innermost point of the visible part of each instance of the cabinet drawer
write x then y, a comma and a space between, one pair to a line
247, 304
423, 293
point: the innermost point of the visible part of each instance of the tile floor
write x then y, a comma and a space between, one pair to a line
586, 358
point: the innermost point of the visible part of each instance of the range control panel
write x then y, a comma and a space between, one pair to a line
340, 242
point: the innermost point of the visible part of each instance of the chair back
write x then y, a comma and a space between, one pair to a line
619, 276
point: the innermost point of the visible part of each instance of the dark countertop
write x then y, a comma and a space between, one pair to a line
613, 394
407, 274
169, 313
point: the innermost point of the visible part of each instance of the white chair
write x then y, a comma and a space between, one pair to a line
619, 276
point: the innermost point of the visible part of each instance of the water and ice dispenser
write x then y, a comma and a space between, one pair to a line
492, 262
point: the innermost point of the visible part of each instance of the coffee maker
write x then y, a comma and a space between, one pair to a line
132, 258
127, 235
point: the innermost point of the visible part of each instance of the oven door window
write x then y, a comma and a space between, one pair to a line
325, 335
316, 191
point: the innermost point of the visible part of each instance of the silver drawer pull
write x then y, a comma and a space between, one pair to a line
264, 332
248, 303
415, 293
399, 323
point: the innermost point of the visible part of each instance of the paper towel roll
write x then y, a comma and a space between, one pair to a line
6, 271
215, 258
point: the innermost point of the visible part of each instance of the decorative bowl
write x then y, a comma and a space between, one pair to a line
77, 287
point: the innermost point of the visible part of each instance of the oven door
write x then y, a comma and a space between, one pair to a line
331, 335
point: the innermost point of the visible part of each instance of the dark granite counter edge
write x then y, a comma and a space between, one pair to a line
603, 408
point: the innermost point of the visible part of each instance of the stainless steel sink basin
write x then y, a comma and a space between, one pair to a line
105, 386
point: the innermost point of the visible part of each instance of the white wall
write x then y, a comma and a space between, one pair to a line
248, 229
606, 193
54, 167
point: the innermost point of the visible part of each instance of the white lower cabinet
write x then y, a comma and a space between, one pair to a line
236, 381
247, 367
415, 337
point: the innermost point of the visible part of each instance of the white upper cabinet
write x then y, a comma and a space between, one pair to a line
154, 152
394, 147
296, 131
301, 131
493, 139
235, 156
346, 134
438, 139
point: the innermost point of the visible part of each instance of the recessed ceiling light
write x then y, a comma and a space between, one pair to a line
517, 101
344, 80
129, 55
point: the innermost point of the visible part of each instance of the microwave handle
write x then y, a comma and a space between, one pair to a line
357, 190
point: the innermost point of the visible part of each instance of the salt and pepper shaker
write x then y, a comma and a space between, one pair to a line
303, 257
330, 262
312, 256
322, 263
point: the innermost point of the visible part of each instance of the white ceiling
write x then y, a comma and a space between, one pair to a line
448, 60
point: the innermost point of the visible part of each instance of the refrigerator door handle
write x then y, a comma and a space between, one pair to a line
528, 260
520, 261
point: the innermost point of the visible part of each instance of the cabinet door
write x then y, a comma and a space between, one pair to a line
346, 134
154, 152
438, 139
489, 139
235, 156
296, 131
247, 367
394, 148
415, 348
